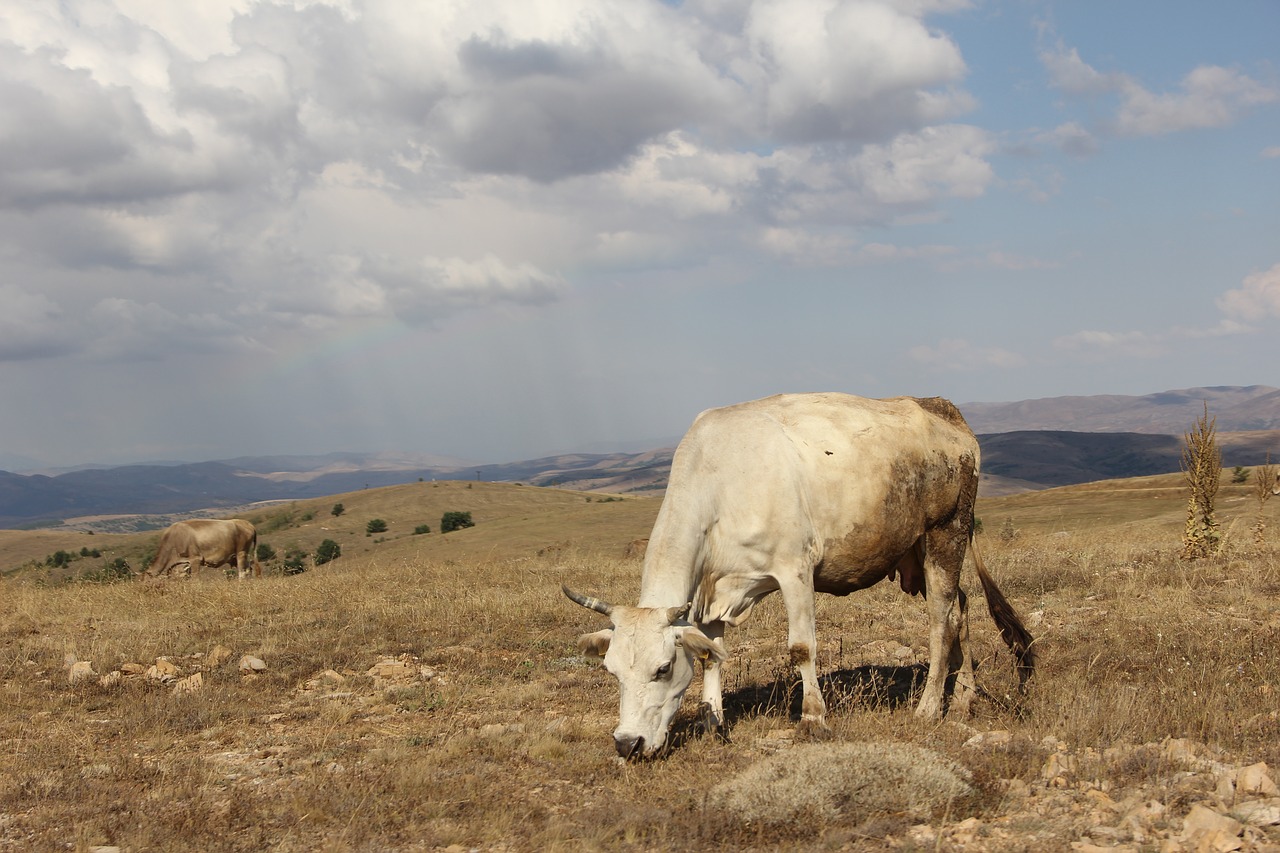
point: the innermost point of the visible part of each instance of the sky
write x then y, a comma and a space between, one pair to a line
499, 230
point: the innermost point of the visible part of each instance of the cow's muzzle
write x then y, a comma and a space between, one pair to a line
628, 747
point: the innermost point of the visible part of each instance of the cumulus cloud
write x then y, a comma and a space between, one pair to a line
1257, 300
1208, 96
244, 168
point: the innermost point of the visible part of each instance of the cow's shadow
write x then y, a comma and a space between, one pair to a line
844, 690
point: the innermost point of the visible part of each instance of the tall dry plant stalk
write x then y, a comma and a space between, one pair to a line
1202, 466
1264, 480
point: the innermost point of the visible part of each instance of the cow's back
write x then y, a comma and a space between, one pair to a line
847, 483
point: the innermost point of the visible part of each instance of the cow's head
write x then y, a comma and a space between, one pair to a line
651, 651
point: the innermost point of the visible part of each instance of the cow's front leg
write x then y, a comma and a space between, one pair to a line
712, 693
242, 565
803, 647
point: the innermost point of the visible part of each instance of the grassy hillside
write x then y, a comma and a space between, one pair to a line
424, 692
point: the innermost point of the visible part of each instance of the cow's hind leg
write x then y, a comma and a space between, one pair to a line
948, 640
797, 592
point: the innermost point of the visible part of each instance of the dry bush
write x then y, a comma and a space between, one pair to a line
506, 745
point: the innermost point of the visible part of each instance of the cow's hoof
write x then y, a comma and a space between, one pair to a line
814, 730
711, 723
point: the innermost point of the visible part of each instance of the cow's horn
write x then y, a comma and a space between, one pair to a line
675, 613
588, 602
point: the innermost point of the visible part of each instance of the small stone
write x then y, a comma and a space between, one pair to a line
989, 740
249, 663
191, 684
81, 670
219, 655
1256, 781
132, 669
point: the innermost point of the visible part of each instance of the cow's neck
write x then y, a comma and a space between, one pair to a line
674, 557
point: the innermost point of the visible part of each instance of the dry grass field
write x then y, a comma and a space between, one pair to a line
424, 692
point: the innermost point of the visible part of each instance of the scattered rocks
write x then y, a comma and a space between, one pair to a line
404, 669
164, 671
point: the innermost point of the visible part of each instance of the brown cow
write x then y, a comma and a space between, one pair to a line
207, 542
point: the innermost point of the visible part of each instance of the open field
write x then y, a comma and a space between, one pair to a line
424, 692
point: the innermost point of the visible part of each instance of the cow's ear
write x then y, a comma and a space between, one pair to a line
597, 644
701, 645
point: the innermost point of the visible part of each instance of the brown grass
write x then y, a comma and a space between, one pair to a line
503, 743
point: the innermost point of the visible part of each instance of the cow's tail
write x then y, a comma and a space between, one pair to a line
1012, 631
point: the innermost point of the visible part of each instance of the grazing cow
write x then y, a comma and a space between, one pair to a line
207, 542
799, 493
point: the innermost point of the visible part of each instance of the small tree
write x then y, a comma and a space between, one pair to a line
338, 509
328, 550
1240, 475
376, 525
1202, 467
451, 521
421, 528
1263, 484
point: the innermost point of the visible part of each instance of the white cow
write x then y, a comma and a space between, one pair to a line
799, 493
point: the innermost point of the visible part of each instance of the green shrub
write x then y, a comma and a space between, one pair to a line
451, 521
421, 528
295, 561
265, 553
377, 525
328, 550
338, 509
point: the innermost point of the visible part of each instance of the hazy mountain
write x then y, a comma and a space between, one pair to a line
1236, 409
1026, 445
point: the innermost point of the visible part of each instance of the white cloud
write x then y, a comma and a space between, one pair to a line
1271, 152
1257, 301
1208, 96
1070, 138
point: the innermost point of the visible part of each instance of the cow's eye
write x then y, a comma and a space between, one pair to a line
664, 670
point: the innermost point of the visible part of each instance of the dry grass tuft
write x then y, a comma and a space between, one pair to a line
822, 783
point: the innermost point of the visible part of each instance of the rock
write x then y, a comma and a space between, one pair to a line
1259, 812
1057, 767
391, 669
217, 656
989, 740
191, 684
1256, 781
1206, 830
81, 670
132, 669
111, 679
164, 671
249, 663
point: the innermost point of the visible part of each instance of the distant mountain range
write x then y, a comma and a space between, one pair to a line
1026, 445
